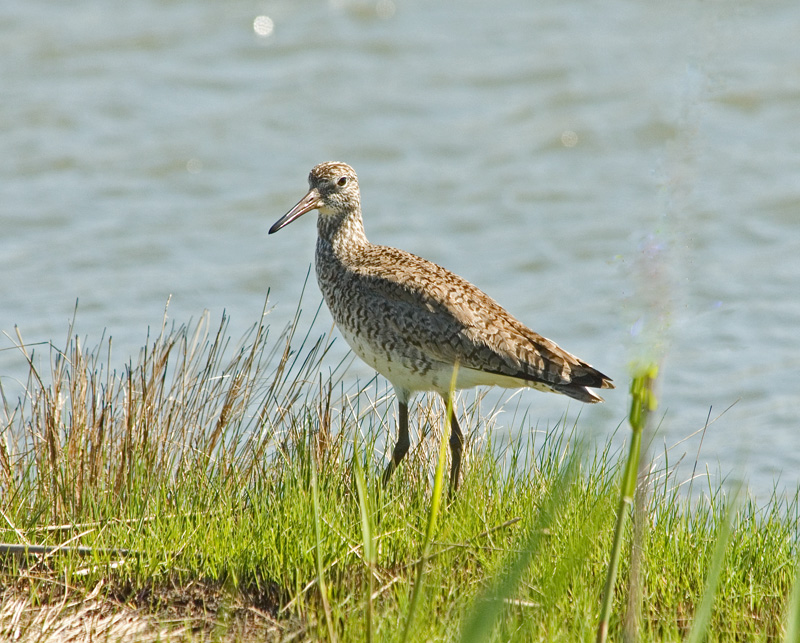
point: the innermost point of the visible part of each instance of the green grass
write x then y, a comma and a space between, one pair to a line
244, 482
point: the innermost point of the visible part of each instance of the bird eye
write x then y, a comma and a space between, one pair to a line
342, 182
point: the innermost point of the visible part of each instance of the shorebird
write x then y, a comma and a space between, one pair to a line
414, 321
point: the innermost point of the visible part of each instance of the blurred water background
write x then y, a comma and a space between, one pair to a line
619, 175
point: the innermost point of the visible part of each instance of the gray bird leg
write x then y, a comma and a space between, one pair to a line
456, 445
401, 448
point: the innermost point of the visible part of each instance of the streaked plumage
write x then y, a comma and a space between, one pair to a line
412, 320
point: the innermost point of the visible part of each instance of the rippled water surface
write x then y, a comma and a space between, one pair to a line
616, 175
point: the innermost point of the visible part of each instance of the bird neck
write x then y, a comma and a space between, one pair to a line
344, 231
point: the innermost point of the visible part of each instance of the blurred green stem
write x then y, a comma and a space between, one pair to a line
643, 401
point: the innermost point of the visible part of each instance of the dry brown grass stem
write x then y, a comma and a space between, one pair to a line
84, 435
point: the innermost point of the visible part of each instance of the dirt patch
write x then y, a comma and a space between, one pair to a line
169, 611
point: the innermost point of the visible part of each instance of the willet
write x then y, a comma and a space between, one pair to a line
413, 321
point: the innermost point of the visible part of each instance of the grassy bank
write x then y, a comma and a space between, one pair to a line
228, 491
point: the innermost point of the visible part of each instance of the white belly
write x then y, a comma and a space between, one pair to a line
405, 375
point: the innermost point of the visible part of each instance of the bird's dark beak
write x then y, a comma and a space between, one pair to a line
310, 201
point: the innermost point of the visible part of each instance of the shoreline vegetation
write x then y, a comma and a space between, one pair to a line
225, 491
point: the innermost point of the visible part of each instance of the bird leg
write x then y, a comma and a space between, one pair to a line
456, 444
401, 448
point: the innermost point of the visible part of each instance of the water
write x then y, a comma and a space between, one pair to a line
617, 175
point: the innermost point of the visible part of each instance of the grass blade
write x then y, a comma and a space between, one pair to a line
367, 533
436, 501
793, 609
643, 401
323, 590
703, 615
488, 607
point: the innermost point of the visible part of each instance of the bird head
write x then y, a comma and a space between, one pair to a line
332, 189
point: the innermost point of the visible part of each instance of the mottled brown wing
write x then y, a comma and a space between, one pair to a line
451, 320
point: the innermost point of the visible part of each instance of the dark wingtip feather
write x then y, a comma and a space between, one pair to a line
591, 377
